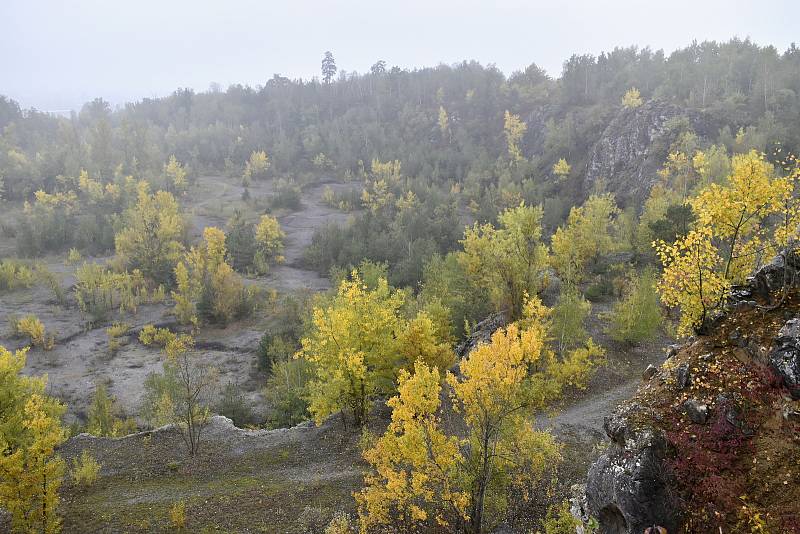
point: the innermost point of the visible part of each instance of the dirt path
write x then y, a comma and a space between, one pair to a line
214, 200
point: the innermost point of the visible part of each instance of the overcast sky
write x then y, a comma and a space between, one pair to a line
56, 54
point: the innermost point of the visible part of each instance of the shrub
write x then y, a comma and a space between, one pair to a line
177, 515
286, 393
637, 316
287, 195
340, 524
234, 405
85, 469
114, 332
15, 275
31, 326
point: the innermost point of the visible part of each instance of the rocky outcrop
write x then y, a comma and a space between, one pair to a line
627, 490
482, 333
634, 146
784, 358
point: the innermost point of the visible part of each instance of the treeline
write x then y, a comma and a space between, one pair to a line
443, 123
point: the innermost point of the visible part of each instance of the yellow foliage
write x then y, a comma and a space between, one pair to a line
415, 465
510, 260
586, 235
257, 166
561, 168
269, 243
85, 469
632, 98
176, 175
514, 130
31, 326
30, 430
177, 515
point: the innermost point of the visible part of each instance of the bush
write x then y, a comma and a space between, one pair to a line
15, 275
114, 332
568, 316
287, 195
637, 316
286, 393
340, 524
31, 326
234, 406
85, 469
177, 515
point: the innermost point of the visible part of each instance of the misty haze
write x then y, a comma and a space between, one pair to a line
374, 267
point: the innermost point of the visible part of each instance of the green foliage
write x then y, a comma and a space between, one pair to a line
510, 260
102, 420
15, 275
85, 469
560, 520
637, 316
286, 392
568, 317
235, 406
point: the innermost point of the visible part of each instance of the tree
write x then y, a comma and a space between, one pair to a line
421, 476
189, 407
151, 235
175, 175
586, 235
360, 341
207, 284
30, 431
561, 168
637, 316
378, 68
510, 260
328, 67
269, 243
415, 465
352, 347
732, 235
444, 124
632, 98
514, 129
256, 167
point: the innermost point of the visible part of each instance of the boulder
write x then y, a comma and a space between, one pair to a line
650, 372
682, 376
696, 410
784, 358
627, 490
782, 270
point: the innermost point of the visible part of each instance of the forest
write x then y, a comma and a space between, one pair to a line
433, 283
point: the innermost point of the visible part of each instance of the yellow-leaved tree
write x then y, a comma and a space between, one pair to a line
733, 234
424, 477
207, 284
175, 175
151, 235
359, 342
30, 430
632, 98
269, 243
514, 129
510, 260
587, 234
256, 167
561, 168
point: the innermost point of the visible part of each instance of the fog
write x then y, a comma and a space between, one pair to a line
58, 54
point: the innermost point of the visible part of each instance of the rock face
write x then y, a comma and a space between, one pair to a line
785, 356
634, 146
626, 489
482, 333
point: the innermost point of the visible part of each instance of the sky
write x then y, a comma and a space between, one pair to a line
57, 54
